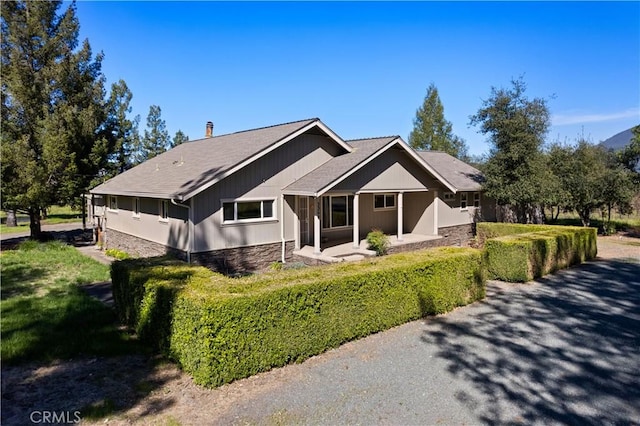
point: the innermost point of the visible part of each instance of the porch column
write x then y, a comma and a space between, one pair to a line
400, 208
435, 212
296, 223
316, 226
356, 221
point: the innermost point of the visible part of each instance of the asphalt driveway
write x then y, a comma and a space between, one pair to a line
562, 350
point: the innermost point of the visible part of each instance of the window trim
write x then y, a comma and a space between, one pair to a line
386, 207
464, 199
161, 204
262, 219
448, 196
135, 207
476, 199
348, 211
113, 200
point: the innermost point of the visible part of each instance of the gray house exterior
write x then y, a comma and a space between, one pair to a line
244, 200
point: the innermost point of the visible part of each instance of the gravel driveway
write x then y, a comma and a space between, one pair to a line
562, 350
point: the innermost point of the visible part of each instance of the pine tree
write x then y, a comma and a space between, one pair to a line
431, 131
122, 132
156, 139
179, 138
53, 109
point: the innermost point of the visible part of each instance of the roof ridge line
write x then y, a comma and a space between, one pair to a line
267, 127
376, 137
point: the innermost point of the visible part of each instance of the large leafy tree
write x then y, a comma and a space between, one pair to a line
53, 111
629, 156
516, 126
156, 139
431, 131
591, 178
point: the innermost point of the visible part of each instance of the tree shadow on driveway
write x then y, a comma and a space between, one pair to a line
563, 349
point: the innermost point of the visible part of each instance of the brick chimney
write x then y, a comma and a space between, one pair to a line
209, 132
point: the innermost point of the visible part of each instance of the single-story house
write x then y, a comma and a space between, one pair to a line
244, 200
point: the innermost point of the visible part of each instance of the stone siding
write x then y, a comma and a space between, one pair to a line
139, 247
243, 259
459, 235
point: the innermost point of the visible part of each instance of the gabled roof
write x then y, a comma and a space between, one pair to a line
460, 174
334, 171
338, 168
192, 167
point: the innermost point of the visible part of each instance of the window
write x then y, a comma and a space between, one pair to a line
113, 202
238, 211
476, 199
449, 196
337, 211
463, 201
384, 201
136, 207
164, 210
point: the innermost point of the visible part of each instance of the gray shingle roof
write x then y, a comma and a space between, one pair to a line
187, 167
458, 173
332, 170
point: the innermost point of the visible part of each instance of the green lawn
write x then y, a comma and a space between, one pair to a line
44, 313
56, 214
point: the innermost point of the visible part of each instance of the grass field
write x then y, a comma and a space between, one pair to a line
46, 315
55, 215
628, 223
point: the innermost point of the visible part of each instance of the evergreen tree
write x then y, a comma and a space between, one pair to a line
179, 138
431, 131
156, 139
122, 131
53, 109
515, 170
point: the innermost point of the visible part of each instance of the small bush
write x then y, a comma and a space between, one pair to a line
378, 242
609, 228
118, 254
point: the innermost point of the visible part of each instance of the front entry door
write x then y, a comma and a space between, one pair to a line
303, 217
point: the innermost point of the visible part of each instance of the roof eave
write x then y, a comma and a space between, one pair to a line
137, 194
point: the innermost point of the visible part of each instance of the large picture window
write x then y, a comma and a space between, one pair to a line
337, 211
250, 210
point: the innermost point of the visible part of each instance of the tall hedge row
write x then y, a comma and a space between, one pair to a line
221, 329
526, 256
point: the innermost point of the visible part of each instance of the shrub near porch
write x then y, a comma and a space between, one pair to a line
221, 329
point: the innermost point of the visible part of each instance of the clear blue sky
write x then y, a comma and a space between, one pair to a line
363, 68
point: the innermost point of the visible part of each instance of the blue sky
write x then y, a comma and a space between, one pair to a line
364, 68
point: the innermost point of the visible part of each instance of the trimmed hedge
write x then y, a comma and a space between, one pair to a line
488, 230
221, 329
526, 256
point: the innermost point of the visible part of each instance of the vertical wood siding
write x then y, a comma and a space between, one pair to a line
264, 178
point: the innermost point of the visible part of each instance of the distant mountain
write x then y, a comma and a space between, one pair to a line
618, 141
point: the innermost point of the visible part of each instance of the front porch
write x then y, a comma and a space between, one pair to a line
341, 252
